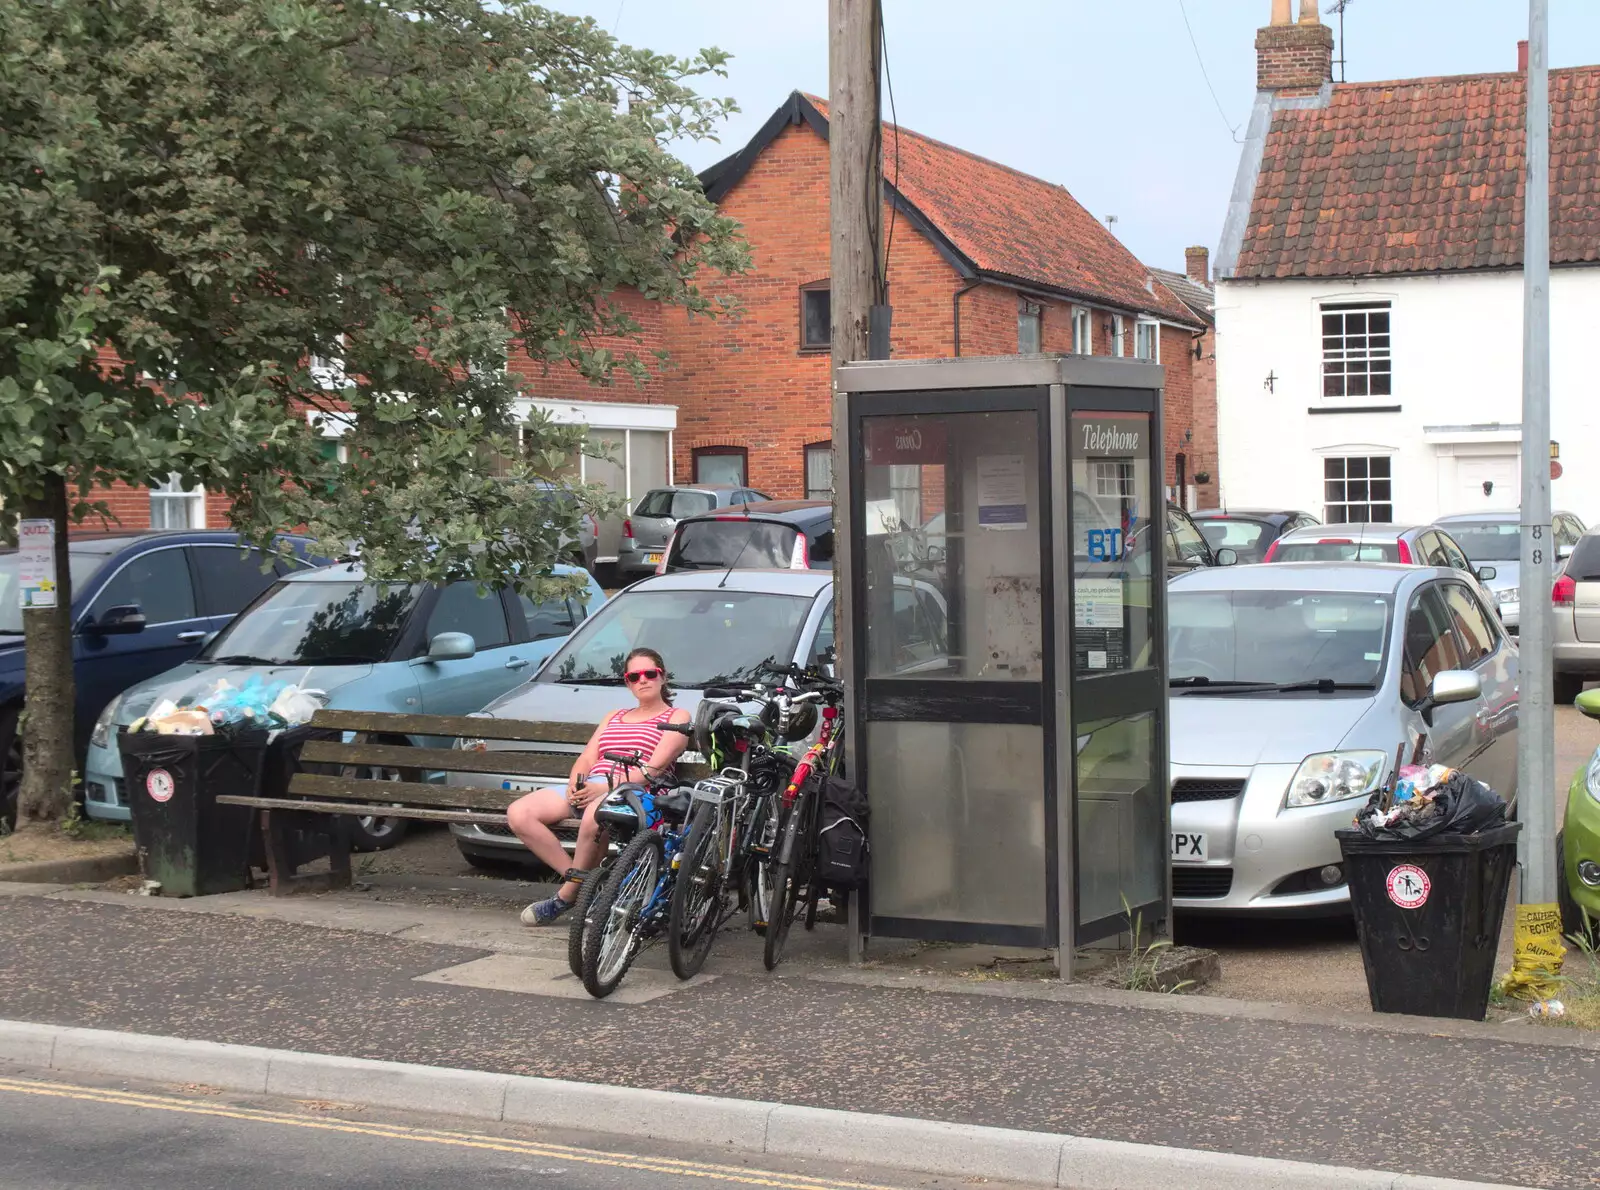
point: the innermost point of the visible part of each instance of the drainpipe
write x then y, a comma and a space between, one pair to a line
955, 308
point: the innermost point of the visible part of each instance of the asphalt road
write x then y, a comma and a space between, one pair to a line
56, 1134
1487, 1109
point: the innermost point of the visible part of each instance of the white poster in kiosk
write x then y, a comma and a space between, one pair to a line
1002, 492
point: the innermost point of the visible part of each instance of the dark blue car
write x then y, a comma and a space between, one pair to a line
141, 604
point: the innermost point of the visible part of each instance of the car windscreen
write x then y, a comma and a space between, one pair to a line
1276, 636
80, 568
1488, 541
1336, 551
705, 637
664, 502
1248, 539
716, 545
323, 623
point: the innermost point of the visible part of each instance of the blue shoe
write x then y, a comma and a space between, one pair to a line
543, 913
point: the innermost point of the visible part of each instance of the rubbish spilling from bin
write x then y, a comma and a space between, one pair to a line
257, 705
1547, 1008
1424, 800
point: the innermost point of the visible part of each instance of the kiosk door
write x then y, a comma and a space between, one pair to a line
954, 656
1118, 523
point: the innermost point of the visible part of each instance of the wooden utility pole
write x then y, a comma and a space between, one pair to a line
856, 279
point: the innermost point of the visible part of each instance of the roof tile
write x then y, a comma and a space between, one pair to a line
1421, 175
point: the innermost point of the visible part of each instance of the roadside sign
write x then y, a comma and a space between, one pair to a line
1408, 886
36, 563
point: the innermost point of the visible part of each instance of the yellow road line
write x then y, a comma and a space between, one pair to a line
467, 1140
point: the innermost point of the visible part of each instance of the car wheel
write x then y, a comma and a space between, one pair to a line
1572, 922
372, 832
10, 767
1568, 687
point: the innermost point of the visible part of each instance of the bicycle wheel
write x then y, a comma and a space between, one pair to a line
587, 891
757, 872
788, 877
697, 894
609, 940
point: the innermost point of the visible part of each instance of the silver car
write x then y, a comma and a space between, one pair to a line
1575, 639
1494, 539
711, 627
646, 531
1292, 687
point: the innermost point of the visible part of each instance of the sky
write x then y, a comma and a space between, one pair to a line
1105, 97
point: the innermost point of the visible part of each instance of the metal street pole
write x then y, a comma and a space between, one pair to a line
855, 214
1536, 738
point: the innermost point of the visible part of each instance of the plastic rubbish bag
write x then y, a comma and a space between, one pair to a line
295, 706
1537, 954
1461, 805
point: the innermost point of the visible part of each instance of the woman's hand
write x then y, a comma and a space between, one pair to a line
582, 795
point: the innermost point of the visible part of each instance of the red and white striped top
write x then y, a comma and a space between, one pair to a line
619, 735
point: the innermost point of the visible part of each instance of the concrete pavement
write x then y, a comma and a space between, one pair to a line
1463, 1104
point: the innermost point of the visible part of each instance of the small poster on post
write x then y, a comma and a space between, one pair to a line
1002, 492
36, 563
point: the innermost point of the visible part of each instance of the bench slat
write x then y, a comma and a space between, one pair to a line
480, 817
522, 762
386, 793
470, 727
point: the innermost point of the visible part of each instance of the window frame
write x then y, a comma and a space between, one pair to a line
202, 586
1345, 503
1153, 328
169, 494
711, 452
1030, 313
506, 617
808, 346
1342, 356
826, 449
1489, 620
1447, 629
1082, 331
1119, 332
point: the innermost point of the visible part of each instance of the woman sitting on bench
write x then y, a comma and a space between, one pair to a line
630, 732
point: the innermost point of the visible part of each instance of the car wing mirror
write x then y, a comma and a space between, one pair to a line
1227, 556
1485, 573
1563, 552
122, 620
451, 646
1451, 686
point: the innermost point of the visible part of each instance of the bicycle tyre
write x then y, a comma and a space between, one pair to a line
757, 871
788, 878
587, 891
692, 920
609, 946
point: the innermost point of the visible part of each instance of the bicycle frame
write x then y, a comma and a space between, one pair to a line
808, 762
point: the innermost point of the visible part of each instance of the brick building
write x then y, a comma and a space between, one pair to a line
982, 260
1199, 451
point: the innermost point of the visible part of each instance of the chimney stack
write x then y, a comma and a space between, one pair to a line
1197, 263
1522, 56
1294, 59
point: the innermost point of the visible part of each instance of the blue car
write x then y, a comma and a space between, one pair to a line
141, 603
408, 648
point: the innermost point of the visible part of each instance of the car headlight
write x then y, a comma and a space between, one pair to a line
1510, 595
1335, 777
1591, 779
100, 737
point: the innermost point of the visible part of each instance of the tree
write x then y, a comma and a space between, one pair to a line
201, 199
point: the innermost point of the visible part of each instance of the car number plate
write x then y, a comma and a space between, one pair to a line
1189, 847
653, 558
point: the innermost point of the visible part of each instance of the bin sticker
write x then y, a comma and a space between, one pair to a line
158, 784
1409, 886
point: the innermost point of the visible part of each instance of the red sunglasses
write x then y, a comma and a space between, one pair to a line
641, 675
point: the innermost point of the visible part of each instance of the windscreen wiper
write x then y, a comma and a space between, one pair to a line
589, 681
1319, 685
243, 659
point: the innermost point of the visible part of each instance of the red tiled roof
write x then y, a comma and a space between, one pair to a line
1422, 175
1014, 226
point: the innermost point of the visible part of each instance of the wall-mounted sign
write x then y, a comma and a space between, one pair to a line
905, 442
1110, 437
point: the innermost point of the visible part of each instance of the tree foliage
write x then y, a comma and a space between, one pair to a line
200, 200
400, 190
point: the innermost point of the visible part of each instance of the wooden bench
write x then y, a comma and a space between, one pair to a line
308, 820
